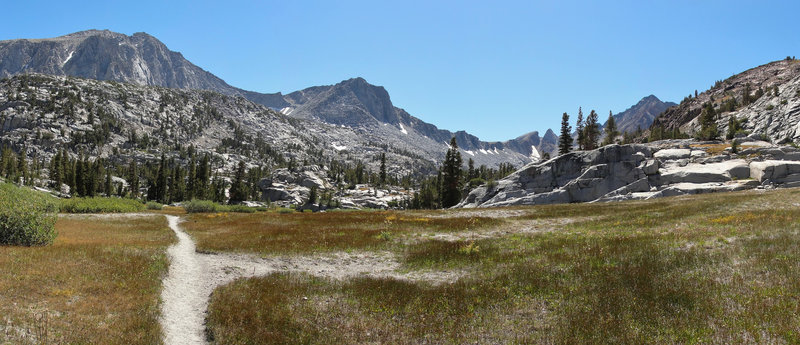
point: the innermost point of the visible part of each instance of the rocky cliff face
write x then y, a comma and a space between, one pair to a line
356, 103
104, 55
643, 171
143, 60
41, 114
641, 115
772, 116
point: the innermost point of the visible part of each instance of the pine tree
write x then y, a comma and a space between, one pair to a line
579, 129
56, 173
610, 130
237, 192
451, 176
471, 173
383, 169
133, 179
161, 181
22, 168
192, 178
708, 123
80, 185
203, 175
109, 187
565, 139
591, 131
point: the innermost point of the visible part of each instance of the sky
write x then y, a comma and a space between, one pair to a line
497, 69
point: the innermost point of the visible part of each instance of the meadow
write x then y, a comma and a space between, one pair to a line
719, 268
716, 268
98, 283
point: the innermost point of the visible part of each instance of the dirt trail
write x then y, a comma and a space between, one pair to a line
192, 277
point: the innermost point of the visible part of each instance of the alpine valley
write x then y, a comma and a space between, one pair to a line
100, 95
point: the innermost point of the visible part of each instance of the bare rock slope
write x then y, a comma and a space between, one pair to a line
643, 171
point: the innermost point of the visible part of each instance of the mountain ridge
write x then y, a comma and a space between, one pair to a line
144, 60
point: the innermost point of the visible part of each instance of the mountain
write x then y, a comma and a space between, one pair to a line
105, 55
357, 103
641, 114
143, 60
765, 113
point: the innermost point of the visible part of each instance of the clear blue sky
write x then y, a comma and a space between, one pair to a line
497, 69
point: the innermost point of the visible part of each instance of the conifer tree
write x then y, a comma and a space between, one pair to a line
133, 179
238, 192
708, 123
203, 175
109, 188
55, 171
610, 130
22, 168
471, 173
161, 181
565, 139
191, 178
383, 169
80, 184
591, 131
451, 176
579, 129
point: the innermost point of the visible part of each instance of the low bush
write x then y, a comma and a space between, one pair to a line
101, 205
237, 208
200, 206
152, 205
27, 217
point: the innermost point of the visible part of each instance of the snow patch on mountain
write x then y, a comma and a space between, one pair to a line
535, 156
403, 129
68, 58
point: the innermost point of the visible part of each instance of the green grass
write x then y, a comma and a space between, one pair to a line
706, 269
101, 205
275, 233
206, 206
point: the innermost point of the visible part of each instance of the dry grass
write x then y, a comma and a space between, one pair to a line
716, 149
271, 233
99, 283
706, 269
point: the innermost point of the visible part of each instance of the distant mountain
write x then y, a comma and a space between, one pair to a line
357, 103
641, 115
144, 60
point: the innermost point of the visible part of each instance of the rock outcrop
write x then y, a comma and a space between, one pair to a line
765, 99
641, 171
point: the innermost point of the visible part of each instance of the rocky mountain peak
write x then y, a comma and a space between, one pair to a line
641, 115
550, 136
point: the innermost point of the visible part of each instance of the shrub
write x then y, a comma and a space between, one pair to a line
152, 205
200, 206
236, 208
283, 210
770, 107
27, 217
100, 205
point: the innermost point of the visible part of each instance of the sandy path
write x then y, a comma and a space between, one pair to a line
192, 277
184, 302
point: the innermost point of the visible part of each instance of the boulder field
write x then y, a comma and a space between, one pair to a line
643, 171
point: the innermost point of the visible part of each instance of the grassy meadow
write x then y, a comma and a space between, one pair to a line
98, 283
719, 268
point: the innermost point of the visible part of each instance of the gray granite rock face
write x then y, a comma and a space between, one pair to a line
616, 173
